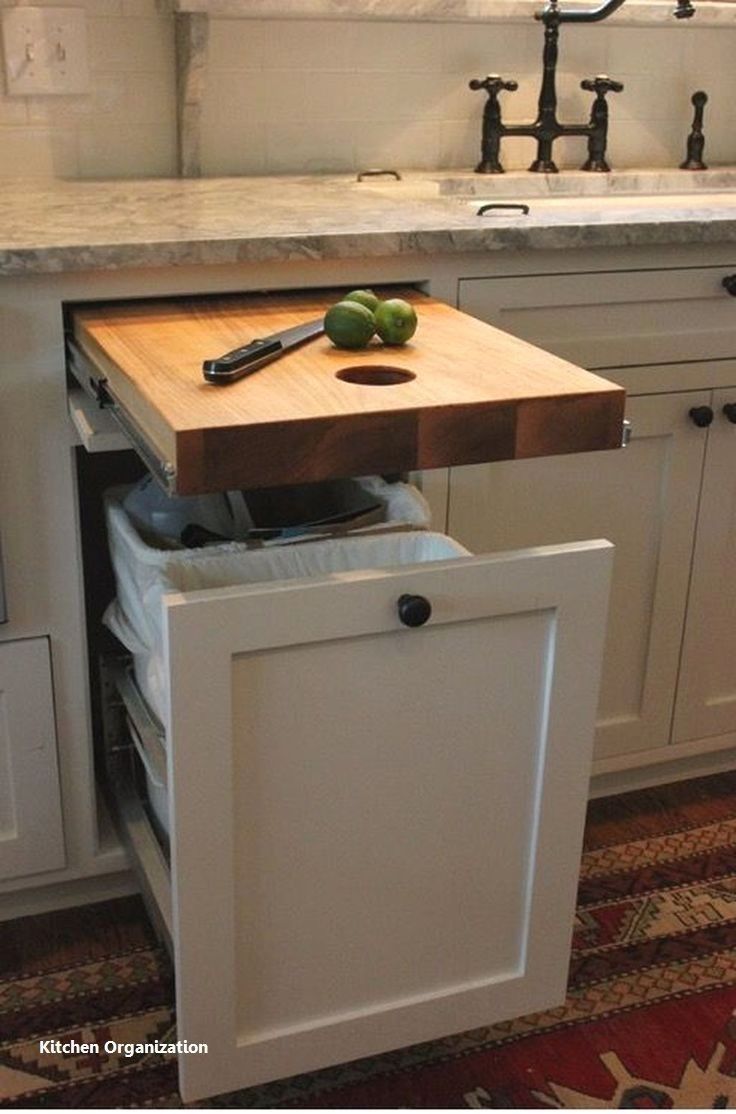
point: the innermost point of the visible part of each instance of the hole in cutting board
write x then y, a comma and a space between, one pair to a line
375, 375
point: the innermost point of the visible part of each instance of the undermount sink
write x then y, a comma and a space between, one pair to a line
591, 204
579, 183
568, 191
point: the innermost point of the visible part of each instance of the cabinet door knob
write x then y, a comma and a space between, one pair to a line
729, 283
702, 416
729, 410
414, 610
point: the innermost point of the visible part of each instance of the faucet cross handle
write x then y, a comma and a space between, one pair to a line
492, 127
597, 130
494, 84
601, 84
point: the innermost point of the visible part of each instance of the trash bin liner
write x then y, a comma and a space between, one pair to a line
272, 515
144, 572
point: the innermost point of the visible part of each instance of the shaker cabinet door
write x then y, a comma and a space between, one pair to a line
31, 833
643, 499
375, 827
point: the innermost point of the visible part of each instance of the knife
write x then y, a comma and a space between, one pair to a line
244, 361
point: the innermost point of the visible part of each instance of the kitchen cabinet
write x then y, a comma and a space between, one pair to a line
668, 505
386, 816
31, 832
108, 243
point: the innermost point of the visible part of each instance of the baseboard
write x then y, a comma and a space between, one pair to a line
660, 773
65, 895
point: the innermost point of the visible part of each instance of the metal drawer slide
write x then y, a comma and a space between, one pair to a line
121, 701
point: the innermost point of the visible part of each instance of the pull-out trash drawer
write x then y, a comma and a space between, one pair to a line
377, 754
461, 392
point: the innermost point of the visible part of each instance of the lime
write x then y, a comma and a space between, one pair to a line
349, 324
364, 297
396, 321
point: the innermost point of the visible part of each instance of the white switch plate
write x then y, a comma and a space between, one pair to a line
45, 51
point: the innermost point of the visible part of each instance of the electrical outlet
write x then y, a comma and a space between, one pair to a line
45, 51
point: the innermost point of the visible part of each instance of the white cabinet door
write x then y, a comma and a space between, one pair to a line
31, 832
376, 829
706, 695
644, 499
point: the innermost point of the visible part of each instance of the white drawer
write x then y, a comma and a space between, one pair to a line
375, 829
613, 318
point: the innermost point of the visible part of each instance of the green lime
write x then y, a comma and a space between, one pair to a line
349, 325
396, 321
365, 297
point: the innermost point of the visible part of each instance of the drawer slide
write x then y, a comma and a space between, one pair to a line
123, 702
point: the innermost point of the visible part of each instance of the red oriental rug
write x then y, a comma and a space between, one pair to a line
649, 1021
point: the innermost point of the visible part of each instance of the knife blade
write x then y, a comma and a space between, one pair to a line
250, 357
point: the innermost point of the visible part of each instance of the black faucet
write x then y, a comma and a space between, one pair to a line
547, 128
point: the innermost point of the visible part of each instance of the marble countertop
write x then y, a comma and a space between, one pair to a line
634, 12
74, 226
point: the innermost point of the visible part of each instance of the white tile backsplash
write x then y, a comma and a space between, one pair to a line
124, 45
37, 152
413, 143
125, 126
121, 151
238, 44
475, 50
397, 93
322, 147
13, 110
583, 50
304, 96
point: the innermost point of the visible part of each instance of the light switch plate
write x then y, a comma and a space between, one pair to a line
45, 51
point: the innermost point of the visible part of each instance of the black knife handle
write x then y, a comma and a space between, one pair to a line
241, 361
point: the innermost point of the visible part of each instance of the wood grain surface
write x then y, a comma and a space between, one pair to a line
477, 394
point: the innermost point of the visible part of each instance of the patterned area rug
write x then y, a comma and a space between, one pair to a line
649, 1022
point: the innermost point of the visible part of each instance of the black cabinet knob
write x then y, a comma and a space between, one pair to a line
702, 416
414, 610
729, 410
729, 284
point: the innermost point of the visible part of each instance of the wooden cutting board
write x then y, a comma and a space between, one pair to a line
460, 392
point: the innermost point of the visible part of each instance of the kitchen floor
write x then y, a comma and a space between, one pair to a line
650, 1017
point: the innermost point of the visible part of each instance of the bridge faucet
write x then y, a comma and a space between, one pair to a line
547, 128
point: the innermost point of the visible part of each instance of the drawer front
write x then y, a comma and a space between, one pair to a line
613, 318
380, 824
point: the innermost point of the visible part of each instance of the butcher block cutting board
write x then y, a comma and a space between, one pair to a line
460, 392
